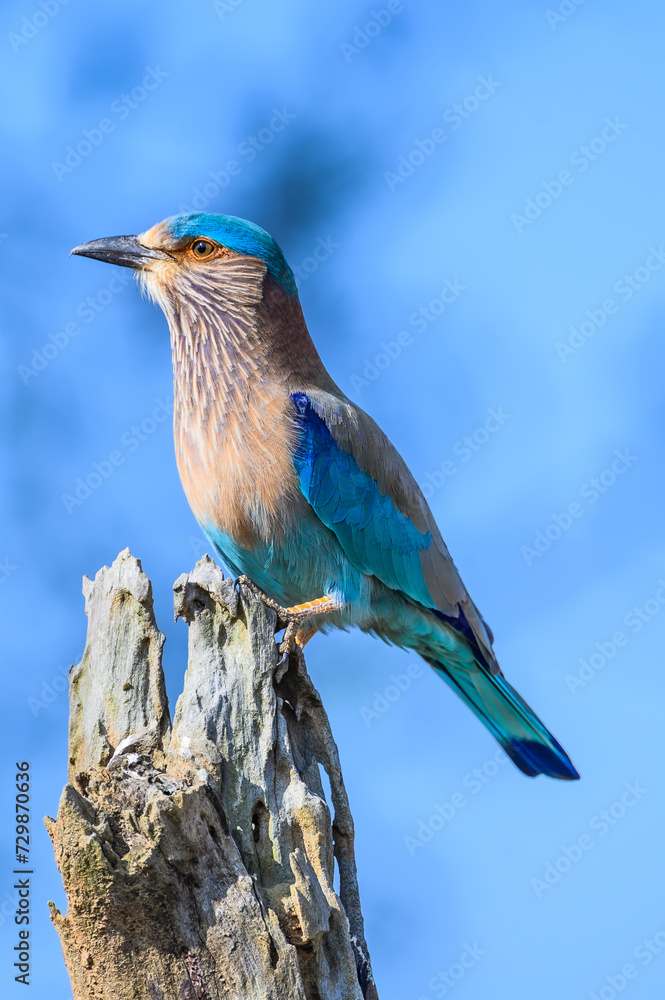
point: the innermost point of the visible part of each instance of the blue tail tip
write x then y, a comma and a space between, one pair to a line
534, 758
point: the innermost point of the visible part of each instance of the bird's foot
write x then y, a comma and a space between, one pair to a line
292, 618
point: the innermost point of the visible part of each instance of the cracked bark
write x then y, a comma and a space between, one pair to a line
198, 858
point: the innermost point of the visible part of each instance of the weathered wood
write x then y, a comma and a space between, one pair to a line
198, 861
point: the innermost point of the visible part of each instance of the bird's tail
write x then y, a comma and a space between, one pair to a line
516, 727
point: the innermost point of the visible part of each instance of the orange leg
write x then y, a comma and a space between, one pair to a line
295, 616
304, 635
320, 606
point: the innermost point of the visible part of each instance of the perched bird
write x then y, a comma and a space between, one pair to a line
294, 485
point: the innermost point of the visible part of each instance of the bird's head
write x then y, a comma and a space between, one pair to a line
201, 260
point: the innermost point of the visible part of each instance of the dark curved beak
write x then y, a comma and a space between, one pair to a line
123, 250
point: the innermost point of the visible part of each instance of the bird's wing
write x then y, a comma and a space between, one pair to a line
361, 488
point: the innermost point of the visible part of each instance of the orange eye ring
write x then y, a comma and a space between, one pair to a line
201, 248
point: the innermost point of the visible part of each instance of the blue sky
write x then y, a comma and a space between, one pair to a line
486, 181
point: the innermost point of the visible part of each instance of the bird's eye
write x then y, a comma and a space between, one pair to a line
202, 249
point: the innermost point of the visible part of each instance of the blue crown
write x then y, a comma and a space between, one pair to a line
238, 235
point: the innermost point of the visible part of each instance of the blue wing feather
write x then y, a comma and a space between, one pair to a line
375, 535
379, 539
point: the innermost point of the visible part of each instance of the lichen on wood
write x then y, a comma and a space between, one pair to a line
199, 859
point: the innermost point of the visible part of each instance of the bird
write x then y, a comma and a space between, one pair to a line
297, 489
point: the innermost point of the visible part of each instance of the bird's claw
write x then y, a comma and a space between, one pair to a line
286, 618
290, 641
281, 666
291, 620
244, 581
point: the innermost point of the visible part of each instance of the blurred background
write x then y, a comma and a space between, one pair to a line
471, 197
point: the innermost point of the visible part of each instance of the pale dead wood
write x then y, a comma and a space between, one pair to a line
198, 859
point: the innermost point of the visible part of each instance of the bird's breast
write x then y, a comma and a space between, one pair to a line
234, 455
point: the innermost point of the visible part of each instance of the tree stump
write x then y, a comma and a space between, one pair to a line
198, 857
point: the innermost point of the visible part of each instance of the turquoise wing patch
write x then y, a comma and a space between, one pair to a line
375, 535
